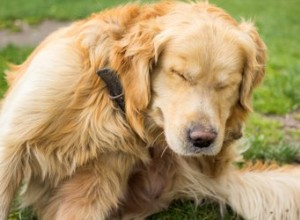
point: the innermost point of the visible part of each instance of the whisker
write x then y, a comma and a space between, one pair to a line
157, 137
162, 154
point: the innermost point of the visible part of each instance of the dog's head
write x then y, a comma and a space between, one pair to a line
193, 69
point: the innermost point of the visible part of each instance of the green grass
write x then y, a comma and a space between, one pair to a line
267, 140
278, 23
34, 11
183, 210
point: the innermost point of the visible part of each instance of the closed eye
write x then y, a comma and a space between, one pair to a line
221, 86
181, 75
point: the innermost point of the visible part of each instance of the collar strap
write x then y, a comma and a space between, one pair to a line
115, 89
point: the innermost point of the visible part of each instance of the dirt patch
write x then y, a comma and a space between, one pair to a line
291, 126
29, 35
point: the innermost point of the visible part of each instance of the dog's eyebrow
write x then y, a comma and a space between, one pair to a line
114, 86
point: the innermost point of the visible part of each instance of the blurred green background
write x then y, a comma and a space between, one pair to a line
273, 131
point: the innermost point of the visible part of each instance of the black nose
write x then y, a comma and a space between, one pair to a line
201, 137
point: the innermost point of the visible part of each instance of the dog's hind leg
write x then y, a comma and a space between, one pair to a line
265, 193
93, 193
11, 158
26, 111
10, 174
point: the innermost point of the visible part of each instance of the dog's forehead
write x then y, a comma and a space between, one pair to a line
205, 51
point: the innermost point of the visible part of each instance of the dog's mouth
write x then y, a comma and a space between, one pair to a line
200, 150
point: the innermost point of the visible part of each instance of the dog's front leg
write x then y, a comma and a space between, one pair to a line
265, 192
94, 192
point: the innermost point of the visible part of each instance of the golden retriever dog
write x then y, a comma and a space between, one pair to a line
117, 115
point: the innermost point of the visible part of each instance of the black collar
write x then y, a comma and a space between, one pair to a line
115, 89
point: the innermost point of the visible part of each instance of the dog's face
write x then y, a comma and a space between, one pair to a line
205, 66
195, 86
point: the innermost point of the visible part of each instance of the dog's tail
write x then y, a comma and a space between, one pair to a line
262, 192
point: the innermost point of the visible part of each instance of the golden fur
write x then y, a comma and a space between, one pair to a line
182, 66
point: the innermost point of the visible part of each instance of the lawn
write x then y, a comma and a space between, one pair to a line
268, 136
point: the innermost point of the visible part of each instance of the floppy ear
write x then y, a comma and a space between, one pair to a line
134, 57
254, 69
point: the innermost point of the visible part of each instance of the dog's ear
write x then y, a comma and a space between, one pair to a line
135, 56
254, 68
253, 72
